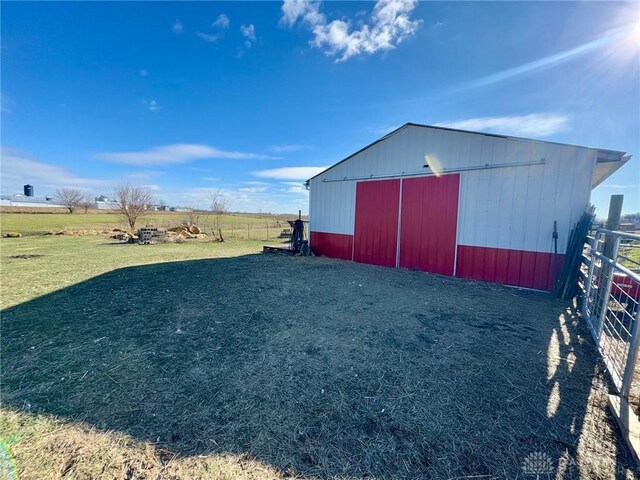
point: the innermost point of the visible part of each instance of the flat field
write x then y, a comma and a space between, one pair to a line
255, 226
205, 360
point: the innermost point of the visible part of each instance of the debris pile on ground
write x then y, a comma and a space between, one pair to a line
126, 237
185, 232
83, 232
12, 235
149, 234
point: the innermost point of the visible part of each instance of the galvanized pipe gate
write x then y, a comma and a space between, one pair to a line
610, 302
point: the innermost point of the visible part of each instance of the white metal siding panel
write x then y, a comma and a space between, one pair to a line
511, 208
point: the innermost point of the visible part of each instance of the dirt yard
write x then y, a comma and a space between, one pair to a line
280, 366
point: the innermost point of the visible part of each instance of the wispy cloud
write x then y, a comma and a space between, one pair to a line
211, 179
249, 33
143, 72
153, 106
178, 27
18, 169
295, 187
253, 189
144, 175
616, 185
533, 125
178, 153
389, 24
221, 22
551, 60
289, 148
253, 182
289, 173
208, 37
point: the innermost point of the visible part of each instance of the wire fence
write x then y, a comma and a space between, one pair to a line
610, 284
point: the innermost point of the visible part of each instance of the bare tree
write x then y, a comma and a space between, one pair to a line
192, 215
131, 202
69, 197
87, 202
219, 206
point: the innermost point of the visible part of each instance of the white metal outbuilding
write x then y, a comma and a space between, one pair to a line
455, 202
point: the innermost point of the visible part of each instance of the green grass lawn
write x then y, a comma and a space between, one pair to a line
233, 225
32, 267
201, 360
57, 261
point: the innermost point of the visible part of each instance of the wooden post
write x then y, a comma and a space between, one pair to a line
248, 230
613, 223
267, 222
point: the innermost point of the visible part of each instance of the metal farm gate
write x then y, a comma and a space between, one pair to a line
610, 284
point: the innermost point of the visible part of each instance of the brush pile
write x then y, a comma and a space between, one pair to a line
186, 231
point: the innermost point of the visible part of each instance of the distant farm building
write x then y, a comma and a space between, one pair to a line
28, 199
104, 203
454, 202
20, 200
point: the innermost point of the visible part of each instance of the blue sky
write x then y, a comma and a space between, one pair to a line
253, 97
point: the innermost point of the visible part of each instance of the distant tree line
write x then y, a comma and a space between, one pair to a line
130, 201
73, 199
133, 202
631, 218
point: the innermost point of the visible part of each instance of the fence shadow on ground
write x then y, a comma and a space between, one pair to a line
317, 367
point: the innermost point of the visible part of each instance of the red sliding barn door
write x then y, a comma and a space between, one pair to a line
428, 224
376, 223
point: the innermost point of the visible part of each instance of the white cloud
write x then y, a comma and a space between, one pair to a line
211, 179
255, 183
389, 25
295, 188
144, 175
207, 37
615, 185
272, 201
153, 106
253, 189
289, 148
533, 125
18, 169
290, 173
177, 153
248, 32
221, 22
143, 72
178, 27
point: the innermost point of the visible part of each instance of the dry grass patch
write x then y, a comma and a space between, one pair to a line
307, 367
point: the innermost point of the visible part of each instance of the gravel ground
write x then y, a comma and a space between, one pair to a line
317, 368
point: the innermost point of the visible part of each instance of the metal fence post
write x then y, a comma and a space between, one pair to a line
609, 269
632, 357
587, 294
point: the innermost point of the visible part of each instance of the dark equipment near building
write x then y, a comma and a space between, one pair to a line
297, 235
297, 242
28, 190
